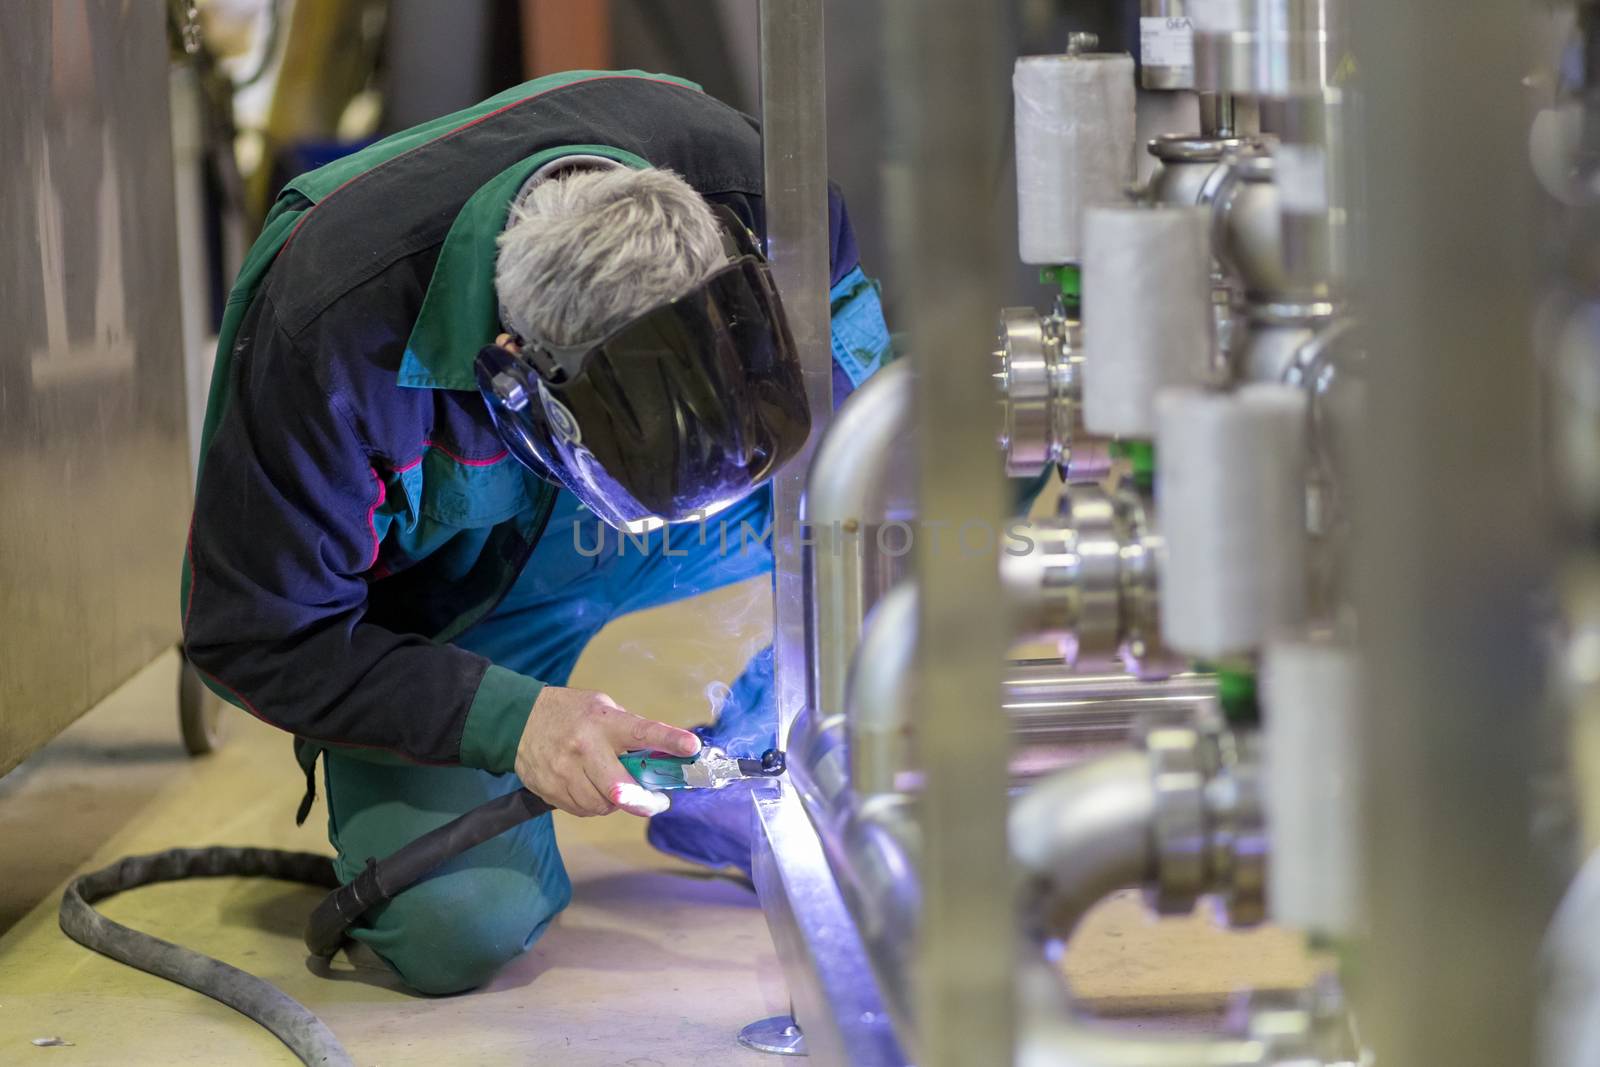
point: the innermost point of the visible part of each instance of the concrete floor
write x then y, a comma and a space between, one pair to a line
655, 964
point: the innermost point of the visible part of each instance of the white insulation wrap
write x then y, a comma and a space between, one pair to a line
1309, 695
1231, 506
1147, 313
1075, 148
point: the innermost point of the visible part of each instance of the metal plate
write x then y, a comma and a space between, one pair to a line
91, 377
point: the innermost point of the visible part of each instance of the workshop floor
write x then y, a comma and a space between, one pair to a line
654, 965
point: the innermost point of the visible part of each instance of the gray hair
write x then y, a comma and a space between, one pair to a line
591, 249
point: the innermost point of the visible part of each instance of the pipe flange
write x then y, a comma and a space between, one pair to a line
1041, 585
1189, 148
1238, 832
1143, 652
1039, 373
1090, 580
1178, 771
1023, 374
1091, 513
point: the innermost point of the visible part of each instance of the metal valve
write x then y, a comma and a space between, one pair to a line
1039, 373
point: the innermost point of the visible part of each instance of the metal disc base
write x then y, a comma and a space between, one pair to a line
778, 1035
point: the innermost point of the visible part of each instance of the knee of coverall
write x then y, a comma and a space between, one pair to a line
454, 931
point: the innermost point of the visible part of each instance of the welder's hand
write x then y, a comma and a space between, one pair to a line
568, 752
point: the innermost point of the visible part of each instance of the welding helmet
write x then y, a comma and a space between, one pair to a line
681, 411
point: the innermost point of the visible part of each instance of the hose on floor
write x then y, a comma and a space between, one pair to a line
289, 1020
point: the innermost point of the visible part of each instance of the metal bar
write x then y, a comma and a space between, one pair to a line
831, 985
946, 82
1448, 538
795, 150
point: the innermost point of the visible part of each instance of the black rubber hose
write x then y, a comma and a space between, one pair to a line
287, 1018
293, 1024
386, 878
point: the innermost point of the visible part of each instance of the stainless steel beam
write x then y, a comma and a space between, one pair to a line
794, 146
1448, 566
946, 81
825, 965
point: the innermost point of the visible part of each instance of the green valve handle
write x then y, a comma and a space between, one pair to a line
1068, 279
1141, 457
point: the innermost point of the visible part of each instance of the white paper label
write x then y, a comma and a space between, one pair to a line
1166, 42
1217, 16
1302, 178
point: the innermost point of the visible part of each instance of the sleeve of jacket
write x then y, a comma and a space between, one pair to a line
282, 538
860, 338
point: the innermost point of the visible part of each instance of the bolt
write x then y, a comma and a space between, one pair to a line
1080, 42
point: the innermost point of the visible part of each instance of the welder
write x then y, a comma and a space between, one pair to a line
478, 391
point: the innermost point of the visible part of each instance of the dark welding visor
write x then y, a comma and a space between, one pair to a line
685, 409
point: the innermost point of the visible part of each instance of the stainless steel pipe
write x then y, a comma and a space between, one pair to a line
1080, 836
1044, 704
857, 480
1047, 704
1094, 831
1085, 833
794, 147
878, 712
1274, 48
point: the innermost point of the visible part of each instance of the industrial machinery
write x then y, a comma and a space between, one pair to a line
1295, 575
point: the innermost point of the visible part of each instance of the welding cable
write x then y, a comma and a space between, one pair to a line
383, 879
289, 1020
